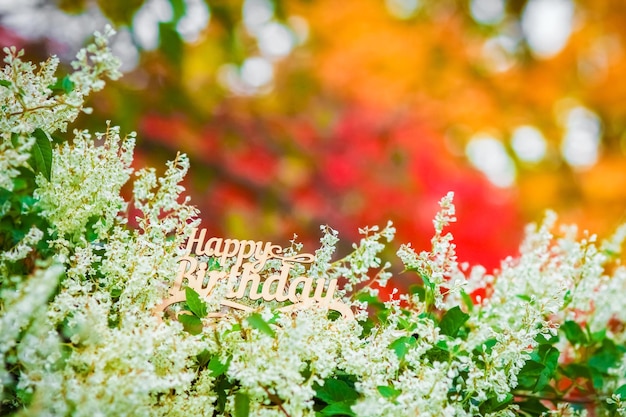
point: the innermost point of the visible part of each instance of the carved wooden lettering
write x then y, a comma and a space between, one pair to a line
246, 278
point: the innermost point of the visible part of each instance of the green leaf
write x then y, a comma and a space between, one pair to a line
533, 407
367, 326
41, 154
492, 404
388, 391
274, 319
195, 304
402, 345
529, 374
485, 347
338, 409
5, 83
596, 379
574, 370
549, 357
242, 405
171, 43
191, 324
203, 358
621, 391
382, 315
547, 339
452, 321
604, 360
574, 333
333, 315
257, 322
213, 264
599, 336
25, 396
90, 230
406, 324
216, 367
427, 282
418, 290
234, 328
179, 8
371, 300
467, 300
57, 139
336, 391
64, 84
307, 372
223, 387
67, 84
438, 354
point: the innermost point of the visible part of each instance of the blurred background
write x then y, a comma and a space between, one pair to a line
349, 113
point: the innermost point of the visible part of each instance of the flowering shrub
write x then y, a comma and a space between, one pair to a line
544, 335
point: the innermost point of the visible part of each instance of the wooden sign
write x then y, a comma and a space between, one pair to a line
246, 278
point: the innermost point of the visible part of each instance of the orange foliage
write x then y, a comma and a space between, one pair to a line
369, 118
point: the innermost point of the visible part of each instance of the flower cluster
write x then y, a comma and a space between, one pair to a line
34, 98
543, 335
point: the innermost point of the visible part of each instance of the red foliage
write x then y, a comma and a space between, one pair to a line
369, 168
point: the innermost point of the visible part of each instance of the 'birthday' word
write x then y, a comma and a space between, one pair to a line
245, 277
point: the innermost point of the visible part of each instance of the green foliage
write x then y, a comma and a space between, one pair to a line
532, 407
171, 43
242, 405
452, 321
402, 345
540, 369
41, 154
63, 85
196, 311
217, 367
493, 405
574, 333
336, 396
120, 12
20, 214
337, 409
388, 391
192, 324
257, 322
195, 304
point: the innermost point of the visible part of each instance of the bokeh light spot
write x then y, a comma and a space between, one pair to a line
499, 53
275, 40
254, 77
11, 5
32, 21
146, 22
402, 9
529, 144
489, 156
487, 12
580, 145
257, 13
124, 47
196, 18
257, 72
547, 25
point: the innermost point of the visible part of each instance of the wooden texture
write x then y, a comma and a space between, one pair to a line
246, 277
